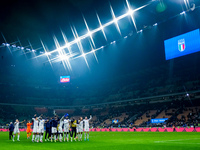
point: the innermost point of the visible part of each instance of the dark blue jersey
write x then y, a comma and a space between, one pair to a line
11, 127
54, 123
48, 125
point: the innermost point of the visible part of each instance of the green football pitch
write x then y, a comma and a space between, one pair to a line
112, 141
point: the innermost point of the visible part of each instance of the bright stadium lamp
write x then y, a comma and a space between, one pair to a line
115, 20
101, 27
182, 13
155, 24
83, 54
7, 44
47, 53
77, 40
63, 57
130, 12
89, 33
67, 45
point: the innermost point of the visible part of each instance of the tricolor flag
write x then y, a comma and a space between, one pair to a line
181, 45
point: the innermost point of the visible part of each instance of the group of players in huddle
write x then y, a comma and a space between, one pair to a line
54, 128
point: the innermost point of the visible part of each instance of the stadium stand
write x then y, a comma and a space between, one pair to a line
158, 95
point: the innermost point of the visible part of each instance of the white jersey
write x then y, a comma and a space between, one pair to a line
80, 125
61, 123
66, 123
16, 126
35, 123
86, 123
41, 123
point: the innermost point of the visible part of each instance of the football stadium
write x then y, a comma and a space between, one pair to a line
100, 74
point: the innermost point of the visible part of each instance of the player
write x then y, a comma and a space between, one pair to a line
41, 127
16, 129
54, 124
35, 129
28, 130
48, 130
80, 129
66, 128
60, 129
86, 123
74, 126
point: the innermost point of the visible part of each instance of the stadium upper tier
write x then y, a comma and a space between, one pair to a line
150, 82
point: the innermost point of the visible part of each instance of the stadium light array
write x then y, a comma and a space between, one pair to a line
101, 28
65, 53
77, 39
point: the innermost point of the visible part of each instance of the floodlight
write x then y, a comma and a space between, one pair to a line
115, 20
47, 53
7, 44
89, 33
67, 45
182, 13
130, 12
155, 24
77, 40
63, 57
83, 54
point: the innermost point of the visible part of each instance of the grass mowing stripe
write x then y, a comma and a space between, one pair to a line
112, 141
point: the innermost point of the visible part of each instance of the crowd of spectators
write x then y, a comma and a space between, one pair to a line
139, 92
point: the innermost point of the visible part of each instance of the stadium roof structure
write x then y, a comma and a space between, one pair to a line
68, 39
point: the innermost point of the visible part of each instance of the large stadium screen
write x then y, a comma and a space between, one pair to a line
64, 79
182, 45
